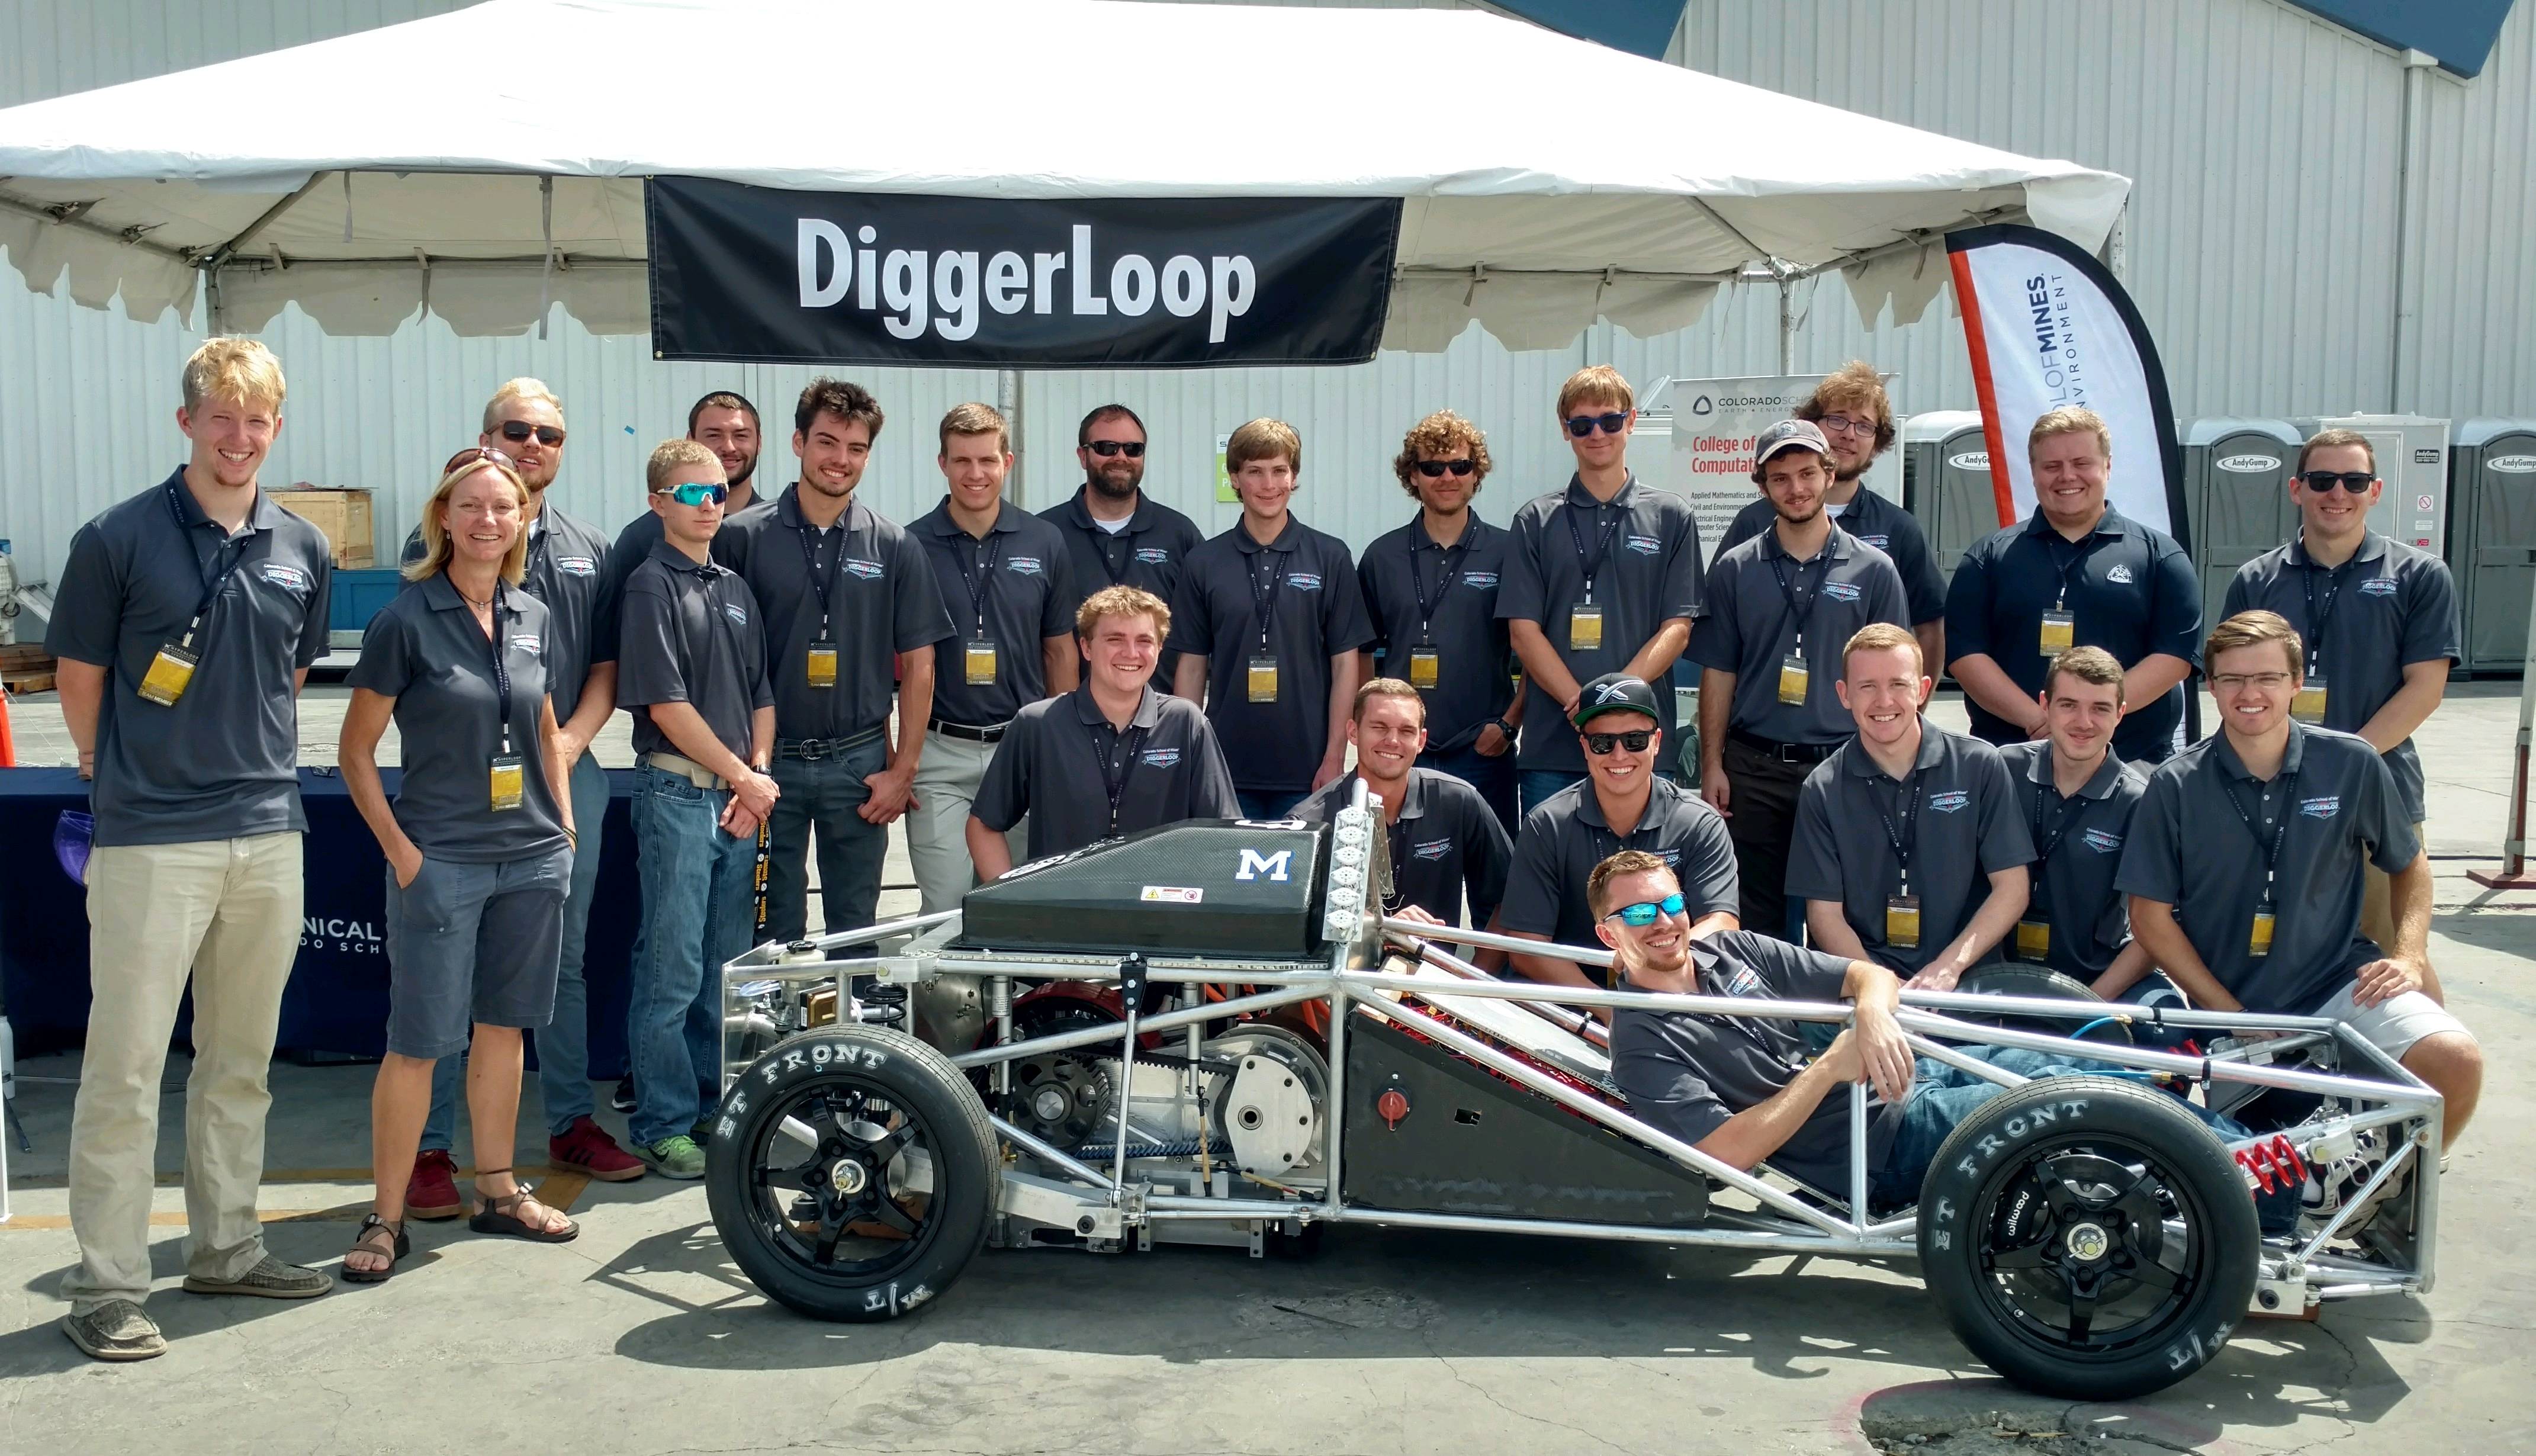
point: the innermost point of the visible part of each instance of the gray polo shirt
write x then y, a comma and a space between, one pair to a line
425, 649
567, 570
1149, 553
633, 546
2387, 607
692, 634
1642, 552
1446, 846
1015, 589
1060, 760
881, 601
1315, 612
1566, 835
2077, 849
1881, 523
221, 762
2192, 848
1690, 1074
1418, 593
2130, 588
1955, 815
1756, 598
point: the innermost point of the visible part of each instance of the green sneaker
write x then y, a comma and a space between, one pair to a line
674, 1157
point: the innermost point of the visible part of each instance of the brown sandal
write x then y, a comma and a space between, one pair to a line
498, 1214
397, 1247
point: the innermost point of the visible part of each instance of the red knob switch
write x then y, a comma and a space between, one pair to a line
1393, 1107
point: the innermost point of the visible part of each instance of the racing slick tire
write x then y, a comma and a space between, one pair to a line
2042, 984
889, 1205
2088, 1238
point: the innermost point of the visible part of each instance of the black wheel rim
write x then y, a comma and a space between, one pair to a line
842, 1210
2092, 1250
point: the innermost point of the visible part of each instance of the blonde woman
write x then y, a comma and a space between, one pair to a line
479, 843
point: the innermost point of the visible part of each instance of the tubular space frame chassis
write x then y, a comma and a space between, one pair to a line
2298, 1271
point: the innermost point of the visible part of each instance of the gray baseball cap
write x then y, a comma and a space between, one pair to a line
1788, 434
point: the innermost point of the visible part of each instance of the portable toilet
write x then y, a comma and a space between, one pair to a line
2412, 451
2236, 491
2492, 538
1945, 483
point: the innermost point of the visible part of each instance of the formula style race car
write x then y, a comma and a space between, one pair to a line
1208, 1034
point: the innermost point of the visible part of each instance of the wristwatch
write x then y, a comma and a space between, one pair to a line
1504, 727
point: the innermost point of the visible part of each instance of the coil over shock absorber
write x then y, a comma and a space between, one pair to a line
2272, 1164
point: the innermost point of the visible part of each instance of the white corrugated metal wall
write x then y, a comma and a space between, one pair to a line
2241, 119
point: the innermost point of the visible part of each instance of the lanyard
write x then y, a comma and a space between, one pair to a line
1117, 570
978, 572
226, 559
1263, 590
533, 583
501, 670
1905, 836
2078, 556
2288, 785
1592, 563
2316, 618
1451, 557
820, 585
1117, 768
1800, 610
2046, 842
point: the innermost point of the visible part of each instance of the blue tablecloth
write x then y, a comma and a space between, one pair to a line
336, 1001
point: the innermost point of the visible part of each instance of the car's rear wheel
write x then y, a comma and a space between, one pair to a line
852, 1173
2088, 1238
2043, 984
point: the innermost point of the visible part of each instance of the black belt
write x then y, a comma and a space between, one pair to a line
1784, 753
992, 735
811, 750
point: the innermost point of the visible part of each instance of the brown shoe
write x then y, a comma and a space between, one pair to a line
270, 1279
115, 1330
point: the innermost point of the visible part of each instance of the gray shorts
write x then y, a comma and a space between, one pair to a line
471, 943
2393, 1025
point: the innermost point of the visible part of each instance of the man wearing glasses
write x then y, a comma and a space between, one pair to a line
2244, 871
1910, 849
1623, 804
1857, 420
692, 671
2379, 618
1601, 577
851, 619
1430, 588
1116, 536
566, 571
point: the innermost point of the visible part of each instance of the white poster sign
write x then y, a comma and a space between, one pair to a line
1714, 423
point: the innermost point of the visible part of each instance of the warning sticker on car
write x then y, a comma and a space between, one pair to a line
1175, 894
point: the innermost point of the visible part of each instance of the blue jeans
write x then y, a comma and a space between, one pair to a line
1494, 778
1942, 1096
699, 911
1536, 785
824, 796
1267, 803
563, 1044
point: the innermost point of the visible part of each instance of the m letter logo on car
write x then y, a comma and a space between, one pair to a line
1275, 867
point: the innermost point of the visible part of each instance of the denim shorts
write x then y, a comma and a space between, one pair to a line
471, 943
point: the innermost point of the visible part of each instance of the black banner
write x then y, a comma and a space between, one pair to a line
763, 275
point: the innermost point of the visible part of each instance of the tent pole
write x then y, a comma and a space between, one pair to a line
1008, 401
1787, 329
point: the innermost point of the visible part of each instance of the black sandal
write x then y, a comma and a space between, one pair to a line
398, 1248
495, 1215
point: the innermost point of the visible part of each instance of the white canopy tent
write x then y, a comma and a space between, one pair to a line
484, 162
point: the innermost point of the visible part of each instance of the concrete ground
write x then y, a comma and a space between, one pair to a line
641, 1337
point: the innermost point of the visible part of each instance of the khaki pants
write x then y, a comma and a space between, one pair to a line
227, 913
938, 828
2376, 907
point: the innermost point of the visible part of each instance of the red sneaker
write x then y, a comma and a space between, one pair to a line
586, 1148
431, 1194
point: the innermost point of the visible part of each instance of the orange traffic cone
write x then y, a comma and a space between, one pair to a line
8, 740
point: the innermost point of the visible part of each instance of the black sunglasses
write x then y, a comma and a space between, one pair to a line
517, 431
1581, 425
1132, 449
1433, 470
1636, 740
478, 454
2354, 482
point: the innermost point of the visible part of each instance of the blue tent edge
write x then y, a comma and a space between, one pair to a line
1639, 27
2460, 32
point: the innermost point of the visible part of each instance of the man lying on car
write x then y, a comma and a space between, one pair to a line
1745, 1090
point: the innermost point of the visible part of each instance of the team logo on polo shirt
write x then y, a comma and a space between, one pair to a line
2378, 586
1479, 579
1671, 858
2120, 573
1949, 802
736, 612
1161, 758
1644, 545
861, 570
1744, 982
1153, 555
2100, 840
1879, 542
526, 642
2322, 806
289, 578
577, 565
1026, 565
1434, 848
1304, 581
1841, 591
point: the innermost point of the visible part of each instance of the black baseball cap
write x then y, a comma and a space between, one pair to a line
1616, 692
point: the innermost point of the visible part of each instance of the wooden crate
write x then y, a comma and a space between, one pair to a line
25, 668
342, 515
